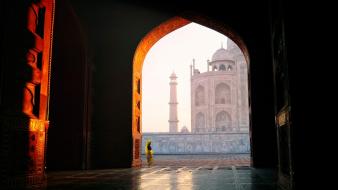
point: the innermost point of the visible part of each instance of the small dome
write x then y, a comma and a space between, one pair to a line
221, 54
184, 130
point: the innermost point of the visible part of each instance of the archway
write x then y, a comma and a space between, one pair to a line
143, 47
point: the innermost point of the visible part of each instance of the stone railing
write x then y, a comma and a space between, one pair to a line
197, 143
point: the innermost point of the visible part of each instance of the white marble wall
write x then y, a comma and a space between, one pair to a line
201, 143
204, 104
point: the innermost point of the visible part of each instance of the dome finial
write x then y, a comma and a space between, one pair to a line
173, 76
221, 54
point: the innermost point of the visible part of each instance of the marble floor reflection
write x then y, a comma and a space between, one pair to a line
166, 178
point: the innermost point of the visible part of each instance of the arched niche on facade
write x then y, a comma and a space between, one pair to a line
200, 122
199, 96
223, 121
222, 94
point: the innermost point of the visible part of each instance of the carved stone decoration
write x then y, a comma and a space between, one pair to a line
22, 151
32, 61
23, 131
137, 149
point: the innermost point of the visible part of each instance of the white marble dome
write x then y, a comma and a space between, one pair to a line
184, 129
221, 54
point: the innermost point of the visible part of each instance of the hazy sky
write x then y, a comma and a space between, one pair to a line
174, 52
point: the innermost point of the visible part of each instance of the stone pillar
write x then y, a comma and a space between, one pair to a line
23, 142
24, 115
33, 78
137, 124
173, 121
208, 65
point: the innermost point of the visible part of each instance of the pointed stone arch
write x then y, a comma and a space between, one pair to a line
199, 96
144, 46
223, 121
222, 94
200, 122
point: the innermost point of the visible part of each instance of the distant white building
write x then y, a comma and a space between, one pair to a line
219, 109
173, 120
219, 96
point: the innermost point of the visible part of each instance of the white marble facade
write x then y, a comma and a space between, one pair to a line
219, 109
219, 96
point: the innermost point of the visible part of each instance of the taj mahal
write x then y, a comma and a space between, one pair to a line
219, 109
219, 97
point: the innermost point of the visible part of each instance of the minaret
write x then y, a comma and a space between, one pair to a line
208, 65
173, 122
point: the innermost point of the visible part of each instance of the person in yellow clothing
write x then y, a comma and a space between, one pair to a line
149, 153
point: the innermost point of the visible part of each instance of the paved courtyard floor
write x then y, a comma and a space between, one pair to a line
166, 178
189, 172
221, 160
